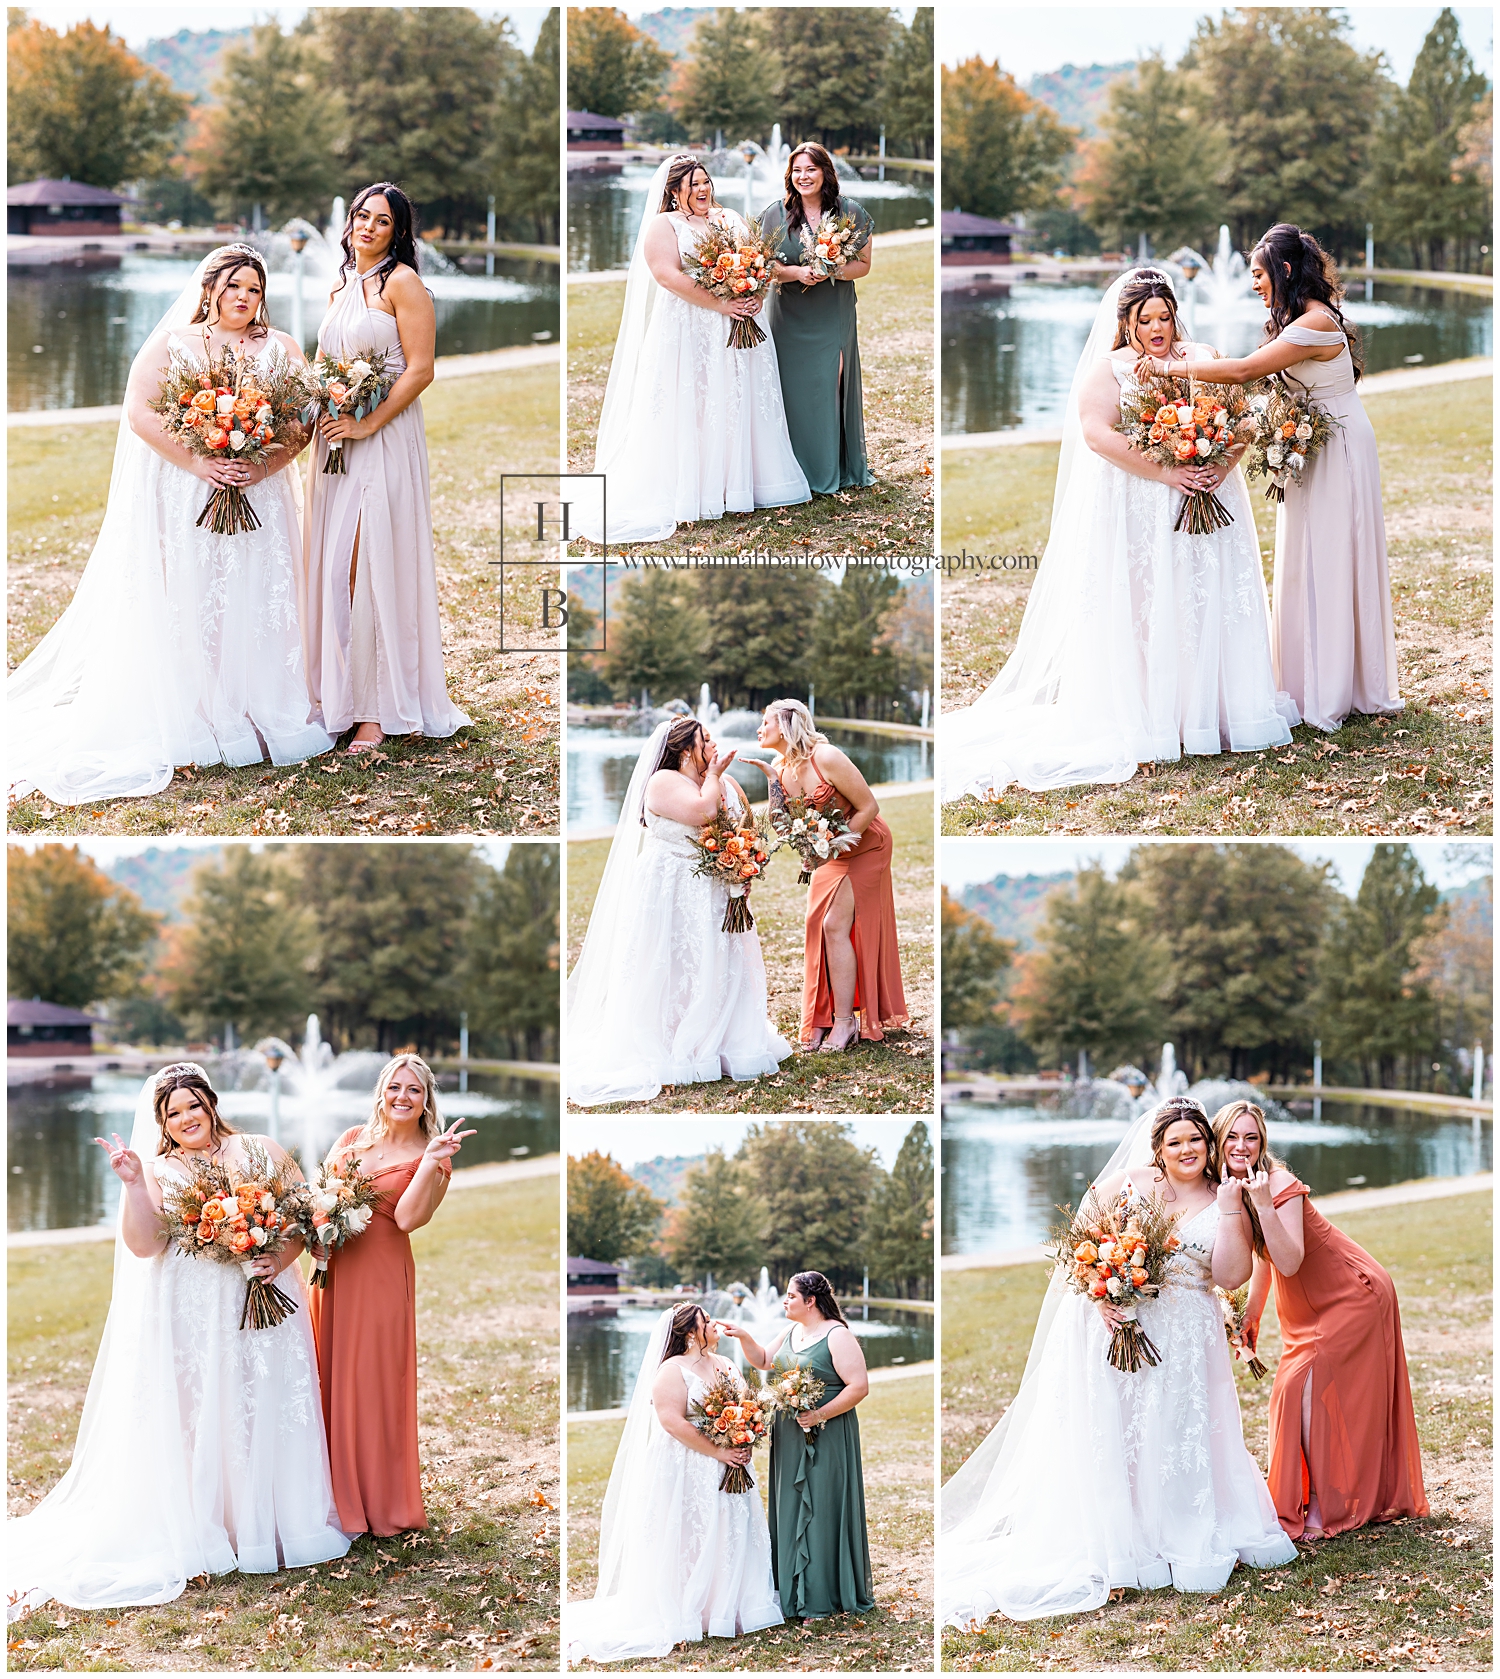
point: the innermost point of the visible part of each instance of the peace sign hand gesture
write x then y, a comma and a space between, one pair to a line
1231, 1195
447, 1143
123, 1161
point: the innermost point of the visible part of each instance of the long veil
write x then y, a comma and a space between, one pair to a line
626, 1496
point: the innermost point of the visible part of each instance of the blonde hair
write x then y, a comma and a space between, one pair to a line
429, 1124
1267, 1162
797, 731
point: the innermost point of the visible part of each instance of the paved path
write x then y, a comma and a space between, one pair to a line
1331, 1206
887, 1373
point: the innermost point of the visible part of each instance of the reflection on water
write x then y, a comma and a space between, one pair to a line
605, 1348
1009, 357
601, 759
73, 331
604, 211
1007, 1168
59, 1178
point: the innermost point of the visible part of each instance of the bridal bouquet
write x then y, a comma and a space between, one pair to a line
1290, 428
341, 1203
226, 411
730, 1416
732, 265
1232, 1303
234, 1218
362, 382
1117, 1253
1171, 423
817, 836
795, 1391
735, 854
835, 241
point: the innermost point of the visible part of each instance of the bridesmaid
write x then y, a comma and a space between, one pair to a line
820, 1547
1344, 1446
1333, 638
851, 955
365, 1320
374, 643
814, 325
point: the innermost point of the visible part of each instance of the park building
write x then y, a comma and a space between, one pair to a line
38, 1028
70, 209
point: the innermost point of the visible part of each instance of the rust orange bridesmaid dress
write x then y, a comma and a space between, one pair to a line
878, 996
1341, 1330
365, 1325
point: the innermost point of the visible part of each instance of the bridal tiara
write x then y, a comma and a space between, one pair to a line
181, 1069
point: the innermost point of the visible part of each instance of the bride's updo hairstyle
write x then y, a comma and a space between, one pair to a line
1184, 1107
831, 194
679, 740
797, 730
814, 1286
1134, 295
680, 172
223, 266
1313, 278
186, 1075
1223, 1120
687, 1321
403, 246
429, 1124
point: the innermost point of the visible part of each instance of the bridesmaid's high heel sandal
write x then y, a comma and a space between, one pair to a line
814, 1042
833, 1043
356, 746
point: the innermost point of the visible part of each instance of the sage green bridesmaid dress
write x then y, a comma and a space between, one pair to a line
812, 328
820, 1548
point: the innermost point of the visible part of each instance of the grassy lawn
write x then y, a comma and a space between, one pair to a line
498, 777
893, 1077
478, 1590
891, 516
1427, 771
1396, 1597
895, 1432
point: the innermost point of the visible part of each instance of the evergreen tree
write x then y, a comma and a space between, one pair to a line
656, 638
613, 68
832, 63
73, 937
510, 965
1003, 151
719, 1227
900, 1251
906, 98
815, 1181
856, 671
757, 644
610, 1215
520, 163
974, 965
726, 80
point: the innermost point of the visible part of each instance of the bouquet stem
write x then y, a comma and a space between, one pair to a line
1274, 492
737, 916
228, 512
736, 1478
335, 461
1131, 1347
265, 1305
319, 1275
744, 334
1202, 513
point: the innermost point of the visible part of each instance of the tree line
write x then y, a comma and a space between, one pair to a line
836, 74
437, 98
864, 644
1272, 114
388, 944
1241, 956
797, 1195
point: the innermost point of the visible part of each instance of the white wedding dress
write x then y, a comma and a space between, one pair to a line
201, 1446
1099, 1478
661, 994
689, 429
1138, 643
178, 647
687, 1561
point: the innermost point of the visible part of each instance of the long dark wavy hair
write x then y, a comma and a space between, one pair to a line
682, 168
1302, 272
231, 260
680, 739
686, 1321
403, 247
1134, 296
1184, 1107
168, 1082
820, 155
814, 1286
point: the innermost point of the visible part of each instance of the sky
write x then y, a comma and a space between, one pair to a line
138, 24
631, 1141
106, 851
1031, 40
965, 862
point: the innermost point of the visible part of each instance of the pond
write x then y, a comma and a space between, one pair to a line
604, 211
601, 758
1008, 357
73, 331
59, 1178
1006, 1168
605, 1347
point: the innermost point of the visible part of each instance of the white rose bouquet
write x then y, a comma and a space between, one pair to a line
1290, 429
341, 1203
359, 382
833, 243
817, 836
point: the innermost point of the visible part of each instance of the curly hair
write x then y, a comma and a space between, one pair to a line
1134, 295
682, 168
184, 1078
403, 246
797, 730
830, 193
1302, 272
815, 1287
223, 267
430, 1123
688, 1320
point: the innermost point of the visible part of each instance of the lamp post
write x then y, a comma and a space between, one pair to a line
463, 1040
489, 234
1369, 261
1317, 1079
298, 239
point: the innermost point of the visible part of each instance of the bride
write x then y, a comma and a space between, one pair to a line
179, 646
661, 994
690, 429
201, 1446
679, 1560
1138, 643
1095, 1478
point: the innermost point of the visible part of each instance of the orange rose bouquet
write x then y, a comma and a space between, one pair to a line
231, 410
1175, 423
1232, 1302
1290, 429
731, 264
1117, 1253
735, 853
730, 1415
234, 1217
341, 1202
360, 383
835, 241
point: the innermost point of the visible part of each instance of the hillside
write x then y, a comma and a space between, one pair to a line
162, 879
663, 1176
190, 59
672, 28
1013, 904
1078, 93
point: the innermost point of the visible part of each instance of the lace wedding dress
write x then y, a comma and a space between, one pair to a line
200, 1450
697, 1562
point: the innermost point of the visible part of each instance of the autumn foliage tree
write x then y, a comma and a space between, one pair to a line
73, 937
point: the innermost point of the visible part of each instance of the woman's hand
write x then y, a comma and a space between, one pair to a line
1258, 1187
722, 762
265, 1266
734, 1454
740, 308
123, 1161
1250, 1331
732, 1330
447, 1143
1150, 367
346, 429
1231, 1193
225, 471
1190, 477
807, 1421
1112, 1315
